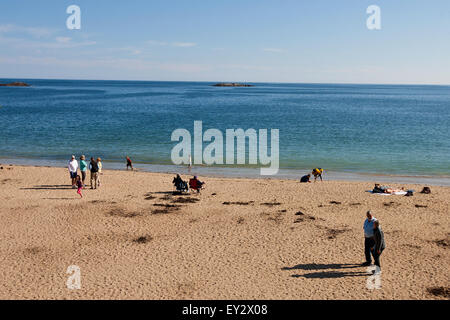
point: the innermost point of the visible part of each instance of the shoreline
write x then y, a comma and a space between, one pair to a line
247, 173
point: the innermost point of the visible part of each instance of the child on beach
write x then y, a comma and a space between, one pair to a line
99, 164
79, 185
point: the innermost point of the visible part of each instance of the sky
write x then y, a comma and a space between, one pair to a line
297, 41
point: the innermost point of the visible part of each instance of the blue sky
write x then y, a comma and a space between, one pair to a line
212, 40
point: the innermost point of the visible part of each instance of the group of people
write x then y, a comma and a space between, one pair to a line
316, 172
78, 182
182, 186
374, 243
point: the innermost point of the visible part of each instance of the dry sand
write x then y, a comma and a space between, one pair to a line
238, 239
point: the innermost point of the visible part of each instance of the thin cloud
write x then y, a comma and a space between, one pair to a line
63, 39
184, 44
58, 43
172, 44
37, 32
275, 50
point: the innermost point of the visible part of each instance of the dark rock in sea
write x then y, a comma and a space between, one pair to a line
14, 84
232, 84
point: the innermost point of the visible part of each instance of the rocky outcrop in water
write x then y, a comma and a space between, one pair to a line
14, 84
232, 84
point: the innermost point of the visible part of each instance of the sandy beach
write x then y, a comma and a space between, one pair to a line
238, 239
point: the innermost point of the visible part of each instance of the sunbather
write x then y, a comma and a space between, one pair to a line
385, 189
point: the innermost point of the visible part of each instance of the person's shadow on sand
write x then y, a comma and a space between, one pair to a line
325, 274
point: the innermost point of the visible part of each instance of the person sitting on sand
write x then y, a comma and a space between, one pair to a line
179, 184
129, 163
317, 172
379, 245
73, 168
79, 186
305, 178
177, 180
196, 184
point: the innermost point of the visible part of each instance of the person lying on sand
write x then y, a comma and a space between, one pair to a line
305, 178
385, 189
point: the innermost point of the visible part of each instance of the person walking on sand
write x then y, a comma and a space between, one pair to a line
83, 169
129, 163
380, 245
93, 166
369, 241
73, 168
79, 186
100, 166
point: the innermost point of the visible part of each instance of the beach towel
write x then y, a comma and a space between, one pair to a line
398, 193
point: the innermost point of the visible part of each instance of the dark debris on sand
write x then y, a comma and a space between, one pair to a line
443, 242
391, 204
166, 209
185, 200
143, 239
439, 291
239, 203
335, 202
333, 233
271, 204
119, 212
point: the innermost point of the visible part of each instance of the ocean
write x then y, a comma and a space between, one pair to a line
349, 130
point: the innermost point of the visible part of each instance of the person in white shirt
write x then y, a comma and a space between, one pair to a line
73, 168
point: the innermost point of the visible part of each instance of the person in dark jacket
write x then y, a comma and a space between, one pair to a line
93, 166
369, 242
380, 245
305, 178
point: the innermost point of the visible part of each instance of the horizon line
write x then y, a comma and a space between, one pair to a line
212, 81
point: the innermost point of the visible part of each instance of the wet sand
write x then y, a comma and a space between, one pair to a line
238, 239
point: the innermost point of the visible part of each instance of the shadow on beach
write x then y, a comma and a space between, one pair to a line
329, 274
314, 266
325, 274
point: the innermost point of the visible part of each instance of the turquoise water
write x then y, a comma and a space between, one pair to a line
380, 129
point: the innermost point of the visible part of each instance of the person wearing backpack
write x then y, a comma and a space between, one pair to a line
93, 166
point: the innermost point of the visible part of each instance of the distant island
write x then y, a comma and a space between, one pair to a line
14, 84
232, 84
